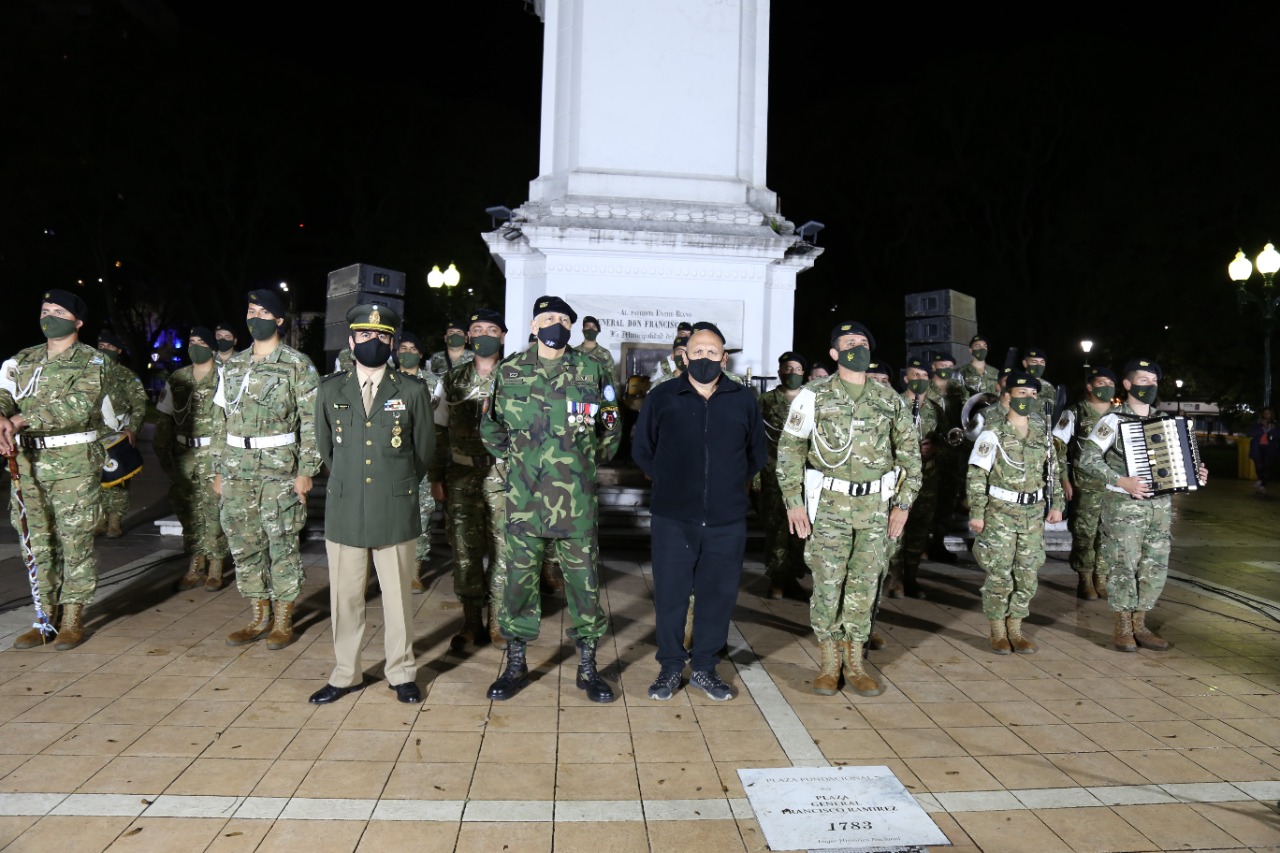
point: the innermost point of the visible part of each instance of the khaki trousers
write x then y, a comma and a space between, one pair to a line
348, 579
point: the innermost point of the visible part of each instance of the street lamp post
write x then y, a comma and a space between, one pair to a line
1240, 270
1087, 346
1178, 383
293, 314
448, 280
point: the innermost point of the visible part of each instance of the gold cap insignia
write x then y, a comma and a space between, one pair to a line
374, 316
1145, 363
846, 327
543, 304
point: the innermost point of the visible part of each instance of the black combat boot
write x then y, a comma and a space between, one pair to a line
598, 690
514, 676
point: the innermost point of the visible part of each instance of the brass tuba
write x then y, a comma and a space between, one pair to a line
971, 416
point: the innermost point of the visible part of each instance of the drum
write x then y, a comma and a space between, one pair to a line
122, 462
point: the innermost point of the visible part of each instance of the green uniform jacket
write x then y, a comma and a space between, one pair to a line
855, 441
1073, 428
1101, 455
460, 401
65, 397
128, 397
187, 409
927, 418
552, 425
1004, 459
438, 365
274, 396
601, 354
376, 463
974, 381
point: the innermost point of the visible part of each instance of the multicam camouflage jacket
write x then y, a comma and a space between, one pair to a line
1101, 454
926, 418
1002, 459
974, 381
57, 396
1074, 427
128, 399
187, 409
263, 399
601, 353
438, 365
774, 408
461, 399
552, 422
860, 441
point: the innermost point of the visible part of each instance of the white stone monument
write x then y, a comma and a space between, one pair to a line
651, 205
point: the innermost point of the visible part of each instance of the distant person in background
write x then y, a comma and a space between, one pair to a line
818, 371
1264, 447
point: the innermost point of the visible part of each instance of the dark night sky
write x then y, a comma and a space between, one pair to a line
1083, 174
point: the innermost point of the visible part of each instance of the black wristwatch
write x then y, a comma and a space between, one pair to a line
905, 507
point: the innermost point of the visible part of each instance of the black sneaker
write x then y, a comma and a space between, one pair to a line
665, 685
711, 684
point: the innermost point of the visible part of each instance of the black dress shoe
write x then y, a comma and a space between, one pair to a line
407, 692
329, 693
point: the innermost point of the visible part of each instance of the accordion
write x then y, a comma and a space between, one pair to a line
1162, 452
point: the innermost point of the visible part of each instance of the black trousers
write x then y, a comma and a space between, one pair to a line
707, 562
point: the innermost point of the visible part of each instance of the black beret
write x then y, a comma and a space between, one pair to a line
1147, 364
532, 337
919, 364
589, 319
704, 326
454, 324
224, 326
681, 341
878, 366
1095, 372
1034, 352
411, 338
68, 300
203, 333
487, 315
796, 357
942, 355
852, 327
543, 304
685, 326
1021, 379
977, 338
268, 299
106, 336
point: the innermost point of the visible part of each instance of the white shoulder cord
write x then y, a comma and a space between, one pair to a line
847, 449
32, 386
235, 404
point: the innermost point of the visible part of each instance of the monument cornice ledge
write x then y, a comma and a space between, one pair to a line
607, 241
650, 269
619, 211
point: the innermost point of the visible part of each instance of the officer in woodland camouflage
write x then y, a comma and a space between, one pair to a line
51, 398
188, 427
411, 354
1087, 493
1013, 474
264, 471
977, 376
554, 417
127, 412
783, 550
849, 468
472, 482
908, 550
1135, 526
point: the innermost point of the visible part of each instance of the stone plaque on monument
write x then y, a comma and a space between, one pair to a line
644, 319
838, 808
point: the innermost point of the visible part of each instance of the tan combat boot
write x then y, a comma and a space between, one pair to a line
257, 628
472, 632
876, 643
1122, 639
417, 587
1020, 644
828, 681
855, 677
1084, 587
495, 634
213, 582
196, 573
101, 527
34, 637
1000, 638
113, 526
71, 629
1100, 583
282, 630
1144, 635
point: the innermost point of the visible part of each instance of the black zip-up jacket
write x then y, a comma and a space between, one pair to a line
700, 453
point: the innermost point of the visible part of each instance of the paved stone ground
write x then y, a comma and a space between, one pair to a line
156, 735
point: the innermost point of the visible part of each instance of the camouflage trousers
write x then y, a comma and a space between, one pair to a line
783, 550
196, 503
846, 563
1086, 515
1135, 549
950, 478
262, 519
523, 595
477, 516
61, 516
115, 500
915, 536
1010, 549
426, 508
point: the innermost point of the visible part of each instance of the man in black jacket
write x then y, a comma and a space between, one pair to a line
701, 439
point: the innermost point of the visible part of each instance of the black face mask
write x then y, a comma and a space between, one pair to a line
373, 352
224, 345
554, 336
704, 370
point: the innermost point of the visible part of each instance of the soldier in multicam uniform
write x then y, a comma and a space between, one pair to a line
189, 426
950, 398
1033, 362
472, 482
849, 468
1135, 526
977, 376
1086, 493
554, 417
455, 351
1012, 471
128, 411
51, 399
264, 471
908, 550
224, 342
783, 551
590, 331
410, 355
671, 366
